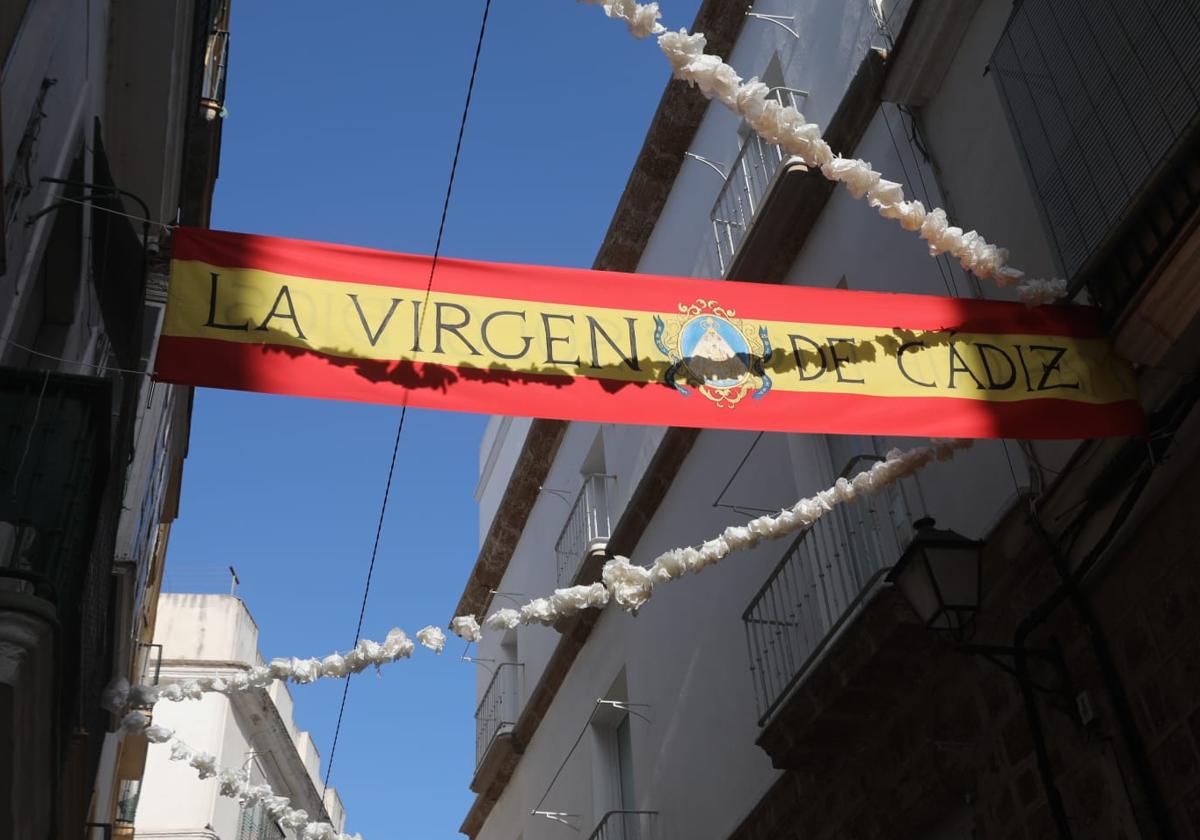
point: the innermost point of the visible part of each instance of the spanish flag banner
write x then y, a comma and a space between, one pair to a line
281, 316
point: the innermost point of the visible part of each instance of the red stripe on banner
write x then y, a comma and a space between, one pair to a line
611, 289
286, 370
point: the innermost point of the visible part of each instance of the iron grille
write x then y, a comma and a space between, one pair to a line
587, 528
818, 585
625, 825
497, 711
256, 824
1098, 93
746, 186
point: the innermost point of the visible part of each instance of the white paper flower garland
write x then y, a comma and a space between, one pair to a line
235, 783
786, 127
621, 581
631, 585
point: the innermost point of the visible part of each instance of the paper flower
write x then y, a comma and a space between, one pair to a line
1037, 292
538, 611
503, 619
205, 764
575, 598
319, 831
466, 628
231, 783
432, 638
143, 695
294, 818
642, 19
158, 734
280, 668
115, 694
397, 645
260, 676
305, 671
370, 652
629, 585
180, 751
134, 723
885, 192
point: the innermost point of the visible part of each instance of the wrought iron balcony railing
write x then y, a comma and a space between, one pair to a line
625, 825
746, 186
498, 709
817, 587
588, 526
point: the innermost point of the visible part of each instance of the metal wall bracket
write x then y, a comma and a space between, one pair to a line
782, 21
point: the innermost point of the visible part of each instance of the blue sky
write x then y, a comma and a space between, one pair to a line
341, 127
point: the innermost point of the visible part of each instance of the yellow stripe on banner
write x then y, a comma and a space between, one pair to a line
365, 321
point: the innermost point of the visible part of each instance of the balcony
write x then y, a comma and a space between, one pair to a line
497, 711
751, 178
588, 526
53, 463
1104, 104
829, 572
625, 825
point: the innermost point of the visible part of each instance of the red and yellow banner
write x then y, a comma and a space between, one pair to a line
257, 313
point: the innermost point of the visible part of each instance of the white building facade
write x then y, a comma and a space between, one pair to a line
214, 635
729, 704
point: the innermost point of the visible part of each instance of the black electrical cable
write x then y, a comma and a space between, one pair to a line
462, 127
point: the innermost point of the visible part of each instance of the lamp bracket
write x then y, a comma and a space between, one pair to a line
1062, 695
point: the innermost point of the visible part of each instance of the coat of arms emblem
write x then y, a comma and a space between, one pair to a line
715, 353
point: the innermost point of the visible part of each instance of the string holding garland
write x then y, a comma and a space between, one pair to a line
784, 126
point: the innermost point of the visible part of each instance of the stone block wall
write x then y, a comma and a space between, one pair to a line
952, 733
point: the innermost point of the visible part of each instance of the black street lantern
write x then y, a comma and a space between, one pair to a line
939, 576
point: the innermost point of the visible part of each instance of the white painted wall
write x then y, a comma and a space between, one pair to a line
498, 452
685, 654
214, 635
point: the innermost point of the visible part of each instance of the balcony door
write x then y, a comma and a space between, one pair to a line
626, 825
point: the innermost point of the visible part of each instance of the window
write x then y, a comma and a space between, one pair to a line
1097, 95
626, 801
256, 824
614, 795
127, 800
